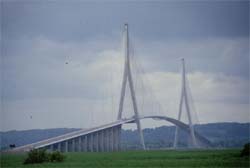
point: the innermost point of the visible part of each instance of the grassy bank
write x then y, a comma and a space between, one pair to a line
152, 159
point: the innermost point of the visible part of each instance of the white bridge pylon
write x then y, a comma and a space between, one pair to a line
184, 99
128, 77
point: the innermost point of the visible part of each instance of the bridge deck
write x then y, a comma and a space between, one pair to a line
83, 132
68, 136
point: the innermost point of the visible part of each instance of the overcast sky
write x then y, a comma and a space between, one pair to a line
39, 90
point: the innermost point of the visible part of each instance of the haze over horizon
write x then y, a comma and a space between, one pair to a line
62, 62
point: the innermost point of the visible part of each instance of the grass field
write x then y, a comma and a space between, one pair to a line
152, 159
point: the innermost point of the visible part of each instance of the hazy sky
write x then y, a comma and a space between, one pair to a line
37, 37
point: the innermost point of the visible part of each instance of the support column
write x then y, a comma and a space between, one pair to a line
97, 142
111, 139
85, 143
107, 140
91, 142
115, 137
59, 147
76, 144
73, 145
79, 144
66, 146
51, 147
88, 143
94, 142
119, 137
101, 141
104, 140
82, 143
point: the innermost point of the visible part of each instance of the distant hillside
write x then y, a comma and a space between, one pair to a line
224, 135
20, 138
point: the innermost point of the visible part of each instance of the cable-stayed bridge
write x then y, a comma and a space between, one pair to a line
107, 137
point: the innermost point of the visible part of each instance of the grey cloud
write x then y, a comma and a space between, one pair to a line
39, 69
217, 55
39, 38
79, 20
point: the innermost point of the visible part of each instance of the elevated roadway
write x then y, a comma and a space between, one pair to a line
106, 136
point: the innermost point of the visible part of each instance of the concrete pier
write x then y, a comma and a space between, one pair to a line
99, 141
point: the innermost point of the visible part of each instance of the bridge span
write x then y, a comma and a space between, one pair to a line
104, 138
108, 137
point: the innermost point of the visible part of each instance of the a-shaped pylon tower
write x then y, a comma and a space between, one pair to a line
184, 99
128, 77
